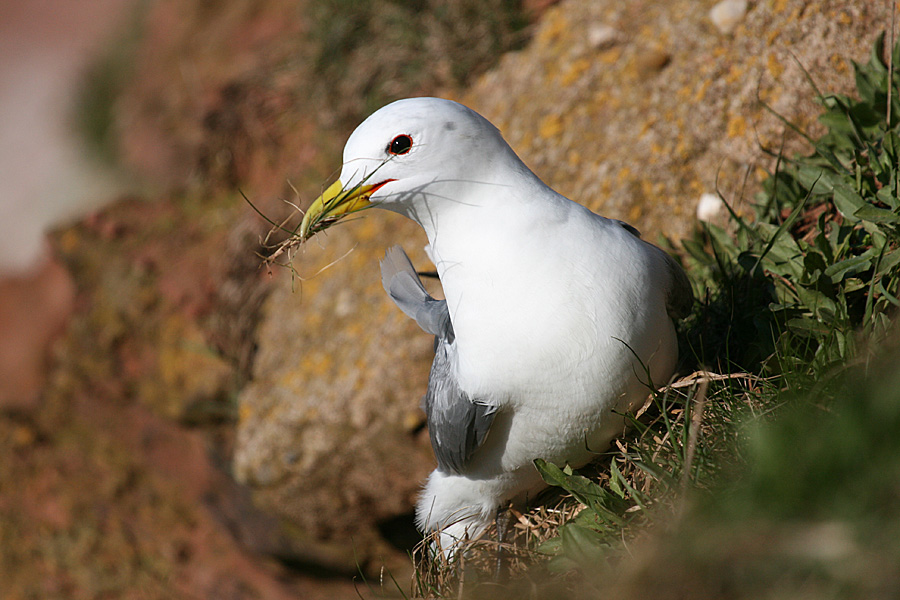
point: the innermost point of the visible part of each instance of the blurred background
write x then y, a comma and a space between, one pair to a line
178, 420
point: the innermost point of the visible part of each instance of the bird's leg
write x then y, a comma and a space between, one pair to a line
501, 522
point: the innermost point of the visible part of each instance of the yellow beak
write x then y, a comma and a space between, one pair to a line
334, 204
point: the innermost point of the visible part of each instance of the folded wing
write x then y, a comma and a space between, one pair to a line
457, 423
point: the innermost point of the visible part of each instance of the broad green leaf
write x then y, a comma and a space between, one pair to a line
848, 201
582, 544
815, 300
818, 180
877, 215
887, 196
808, 327
852, 284
583, 489
837, 122
850, 266
889, 260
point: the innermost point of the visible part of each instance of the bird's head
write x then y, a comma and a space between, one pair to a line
406, 155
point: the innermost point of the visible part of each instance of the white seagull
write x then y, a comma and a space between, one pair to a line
556, 320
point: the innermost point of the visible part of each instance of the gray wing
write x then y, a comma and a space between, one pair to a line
630, 229
404, 287
680, 298
457, 423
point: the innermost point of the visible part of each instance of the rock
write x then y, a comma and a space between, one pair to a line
602, 36
727, 14
639, 142
709, 207
324, 436
651, 60
195, 378
34, 309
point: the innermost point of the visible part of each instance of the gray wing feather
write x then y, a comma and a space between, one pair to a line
404, 287
680, 299
457, 423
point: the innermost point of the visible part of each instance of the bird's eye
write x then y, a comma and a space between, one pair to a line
400, 144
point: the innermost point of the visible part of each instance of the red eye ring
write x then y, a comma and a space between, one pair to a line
400, 144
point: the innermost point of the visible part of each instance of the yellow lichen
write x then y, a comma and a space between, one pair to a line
838, 63
647, 126
555, 26
573, 158
735, 73
700, 93
774, 66
551, 126
737, 126
576, 69
245, 411
696, 186
610, 56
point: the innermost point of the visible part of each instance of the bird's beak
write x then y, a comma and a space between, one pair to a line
334, 204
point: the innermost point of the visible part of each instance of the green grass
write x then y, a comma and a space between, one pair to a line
782, 478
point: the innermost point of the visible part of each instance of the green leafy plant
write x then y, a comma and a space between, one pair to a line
822, 252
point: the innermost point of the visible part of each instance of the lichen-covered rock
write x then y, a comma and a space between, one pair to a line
639, 126
329, 431
727, 14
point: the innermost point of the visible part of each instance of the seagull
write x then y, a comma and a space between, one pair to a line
555, 321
